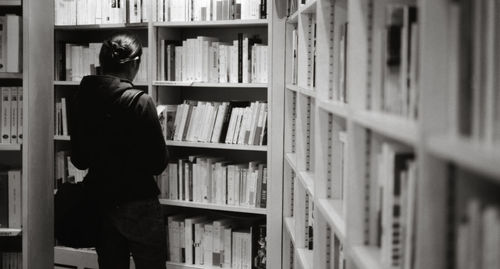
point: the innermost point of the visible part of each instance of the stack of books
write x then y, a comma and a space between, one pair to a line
221, 243
65, 171
10, 44
10, 199
474, 69
477, 241
215, 181
84, 12
399, 93
11, 260
61, 116
206, 59
79, 60
210, 10
392, 222
11, 115
241, 123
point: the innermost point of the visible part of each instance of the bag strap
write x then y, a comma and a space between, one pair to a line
130, 97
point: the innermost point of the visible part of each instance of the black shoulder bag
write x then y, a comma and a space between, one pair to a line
76, 218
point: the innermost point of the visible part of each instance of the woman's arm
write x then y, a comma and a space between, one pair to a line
153, 150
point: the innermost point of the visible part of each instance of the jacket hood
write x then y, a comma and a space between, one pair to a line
105, 88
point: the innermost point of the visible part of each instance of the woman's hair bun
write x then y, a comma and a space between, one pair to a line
119, 49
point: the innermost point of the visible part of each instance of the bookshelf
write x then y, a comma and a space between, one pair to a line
175, 92
29, 237
339, 143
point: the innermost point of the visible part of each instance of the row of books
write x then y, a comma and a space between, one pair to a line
11, 115
206, 59
80, 60
10, 44
222, 243
477, 232
474, 68
61, 116
65, 171
81, 12
216, 181
337, 256
10, 199
210, 10
399, 64
11, 260
242, 123
392, 222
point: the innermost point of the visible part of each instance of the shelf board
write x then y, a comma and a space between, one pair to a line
307, 180
305, 257
290, 227
291, 158
307, 92
481, 158
392, 126
10, 3
309, 7
9, 232
215, 145
10, 147
176, 265
5, 75
77, 83
62, 137
336, 108
366, 257
208, 84
294, 18
332, 212
102, 26
230, 208
213, 24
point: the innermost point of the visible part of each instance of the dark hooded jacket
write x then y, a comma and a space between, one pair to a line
118, 139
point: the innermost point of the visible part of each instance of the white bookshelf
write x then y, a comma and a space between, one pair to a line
208, 85
211, 24
228, 208
164, 90
9, 232
216, 146
174, 92
452, 168
35, 232
5, 75
109, 26
10, 2
77, 83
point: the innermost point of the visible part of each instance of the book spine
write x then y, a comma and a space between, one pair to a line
6, 115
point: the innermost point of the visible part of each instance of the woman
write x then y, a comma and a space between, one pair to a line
116, 134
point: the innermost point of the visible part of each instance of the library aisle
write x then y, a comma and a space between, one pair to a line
303, 134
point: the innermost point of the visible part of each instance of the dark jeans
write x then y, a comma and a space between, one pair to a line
136, 228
